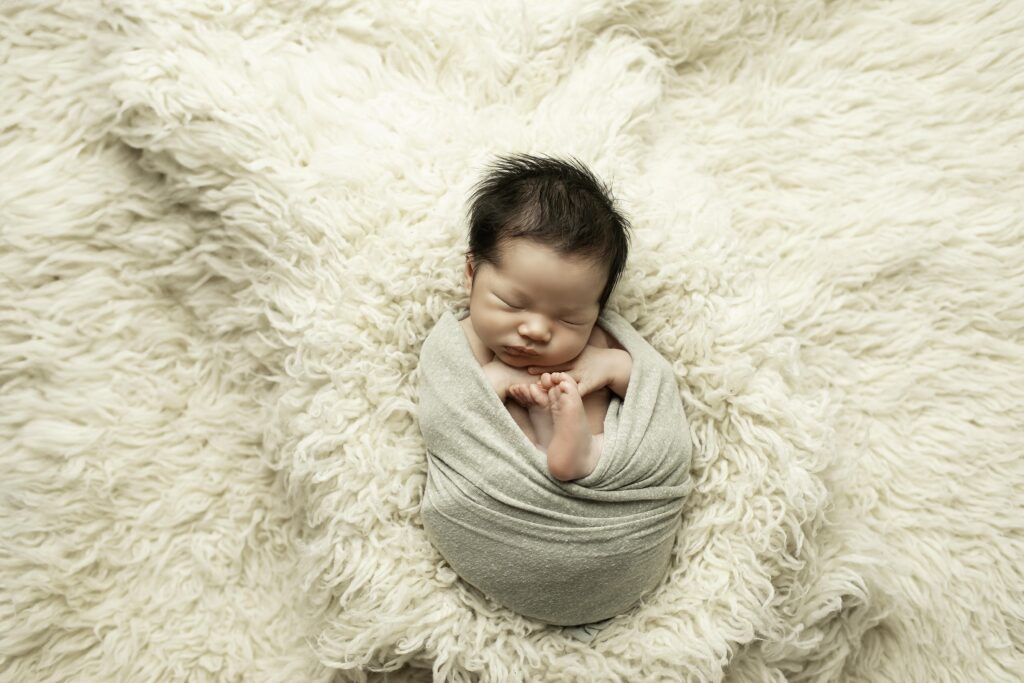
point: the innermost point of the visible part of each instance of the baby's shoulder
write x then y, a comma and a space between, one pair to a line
603, 340
480, 351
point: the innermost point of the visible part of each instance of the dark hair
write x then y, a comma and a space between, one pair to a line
559, 204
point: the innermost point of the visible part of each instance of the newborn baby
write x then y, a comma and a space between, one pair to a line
535, 314
568, 510
546, 247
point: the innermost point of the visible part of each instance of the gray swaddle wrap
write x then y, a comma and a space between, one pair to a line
564, 553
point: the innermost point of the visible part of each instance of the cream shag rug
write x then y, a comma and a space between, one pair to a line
228, 227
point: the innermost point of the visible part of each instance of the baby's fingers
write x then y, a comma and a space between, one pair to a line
517, 391
539, 370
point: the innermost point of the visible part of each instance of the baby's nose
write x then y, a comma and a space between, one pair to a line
535, 331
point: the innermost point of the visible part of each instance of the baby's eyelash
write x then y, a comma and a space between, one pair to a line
519, 308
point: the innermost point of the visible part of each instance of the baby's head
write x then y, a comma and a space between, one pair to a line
546, 248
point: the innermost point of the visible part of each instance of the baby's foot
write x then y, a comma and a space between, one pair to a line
536, 401
570, 449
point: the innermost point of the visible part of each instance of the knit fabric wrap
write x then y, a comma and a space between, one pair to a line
564, 553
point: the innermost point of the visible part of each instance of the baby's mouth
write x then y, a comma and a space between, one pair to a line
521, 352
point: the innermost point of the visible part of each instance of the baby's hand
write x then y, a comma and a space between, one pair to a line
528, 395
504, 376
592, 369
518, 375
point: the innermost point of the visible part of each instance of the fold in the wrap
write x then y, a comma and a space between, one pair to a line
564, 553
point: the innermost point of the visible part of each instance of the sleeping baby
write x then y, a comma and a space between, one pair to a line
556, 445
546, 247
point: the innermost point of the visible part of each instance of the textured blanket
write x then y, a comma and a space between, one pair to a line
561, 552
228, 226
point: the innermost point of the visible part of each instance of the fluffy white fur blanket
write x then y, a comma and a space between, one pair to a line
228, 226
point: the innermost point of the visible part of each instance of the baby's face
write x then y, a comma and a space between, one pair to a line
535, 299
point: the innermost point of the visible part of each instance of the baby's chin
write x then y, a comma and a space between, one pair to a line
523, 361
516, 361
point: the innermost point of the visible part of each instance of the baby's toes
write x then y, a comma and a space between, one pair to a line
564, 378
554, 394
562, 396
552, 379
